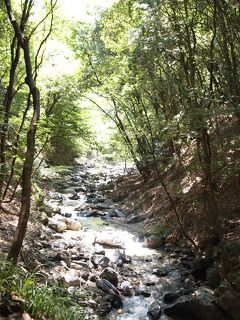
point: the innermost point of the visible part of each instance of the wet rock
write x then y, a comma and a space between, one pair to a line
75, 196
116, 301
99, 250
162, 272
56, 225
81, 189
67, 215
198, 306
127, 289
98, 200
110, 275
92, 196
106, 286
154, 310
133, 218
213, 277
99, 206
85, 275
121, 257
154, 242
105, 262
171, 297
117, 213
201, 264
150, 281
119, 263
95, 213
189, 283
96, 260
143, 291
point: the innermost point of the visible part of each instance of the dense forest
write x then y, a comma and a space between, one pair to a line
153, 87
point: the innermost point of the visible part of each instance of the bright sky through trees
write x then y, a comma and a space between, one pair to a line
82, 9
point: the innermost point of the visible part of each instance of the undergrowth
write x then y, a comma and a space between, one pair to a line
40, 300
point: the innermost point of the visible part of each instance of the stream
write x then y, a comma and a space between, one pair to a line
142, 275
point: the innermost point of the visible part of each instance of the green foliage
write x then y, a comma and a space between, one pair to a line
63, 126
40, 300
164, 227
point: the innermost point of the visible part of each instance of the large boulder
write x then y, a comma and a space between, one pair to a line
109, 241
198, 306
110, 275
70, 223
57, 225
73, 225
229, 301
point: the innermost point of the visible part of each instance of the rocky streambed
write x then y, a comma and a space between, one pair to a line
85, 246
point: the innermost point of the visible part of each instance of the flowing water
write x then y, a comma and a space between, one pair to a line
139, 272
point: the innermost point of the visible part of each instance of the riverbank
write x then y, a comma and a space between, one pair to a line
86, 236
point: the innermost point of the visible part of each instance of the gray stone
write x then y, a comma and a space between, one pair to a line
154, 310
110, 275
127, 289
154, 242
134, 218
199, 305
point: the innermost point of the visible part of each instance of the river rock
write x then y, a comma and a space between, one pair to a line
133, 218
96, 260
73, 225
213, 277
161, 272
81, 189
57, 225
64, 256
200, 266
117, 213
200, 306
75, 196
121, 257
110, 275
70, 223
71, 278
154, 242
48, 210
43, 218
105, 262
229, 302
154, 310
99, 250
127, 289
109, 241
171, 297
143, 291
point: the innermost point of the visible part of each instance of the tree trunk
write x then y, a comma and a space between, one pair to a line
28, 163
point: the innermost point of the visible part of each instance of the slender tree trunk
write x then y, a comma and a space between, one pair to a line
15, 56
31, 135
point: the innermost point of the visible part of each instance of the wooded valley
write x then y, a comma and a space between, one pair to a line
148, 86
